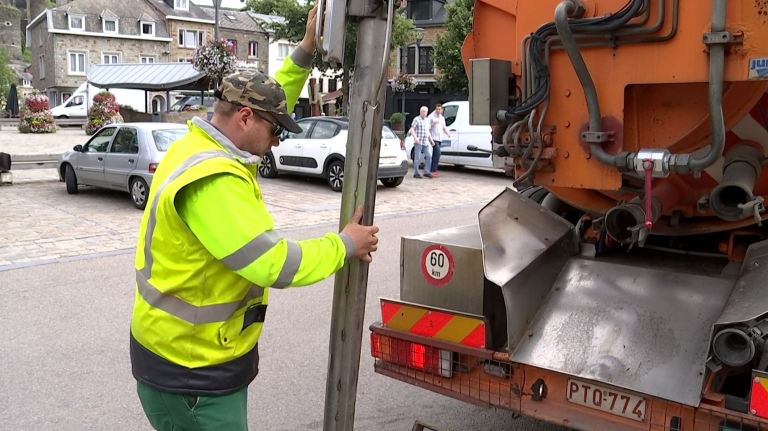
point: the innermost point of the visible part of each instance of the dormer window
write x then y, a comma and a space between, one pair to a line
110, 26
109, 21
77, 22
147, 28
181, 4
146, 25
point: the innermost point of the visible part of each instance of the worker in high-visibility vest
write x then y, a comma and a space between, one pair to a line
207, 254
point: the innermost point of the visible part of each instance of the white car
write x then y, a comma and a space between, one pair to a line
463, 134
319, 151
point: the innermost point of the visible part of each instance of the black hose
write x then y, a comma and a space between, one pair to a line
538, 39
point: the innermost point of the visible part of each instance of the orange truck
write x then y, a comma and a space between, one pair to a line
622, 282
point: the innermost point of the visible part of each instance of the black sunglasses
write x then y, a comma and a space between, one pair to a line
279, 129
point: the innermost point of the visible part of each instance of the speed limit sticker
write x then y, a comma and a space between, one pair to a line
437, 265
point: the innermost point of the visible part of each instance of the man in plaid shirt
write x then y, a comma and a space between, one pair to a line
422, 142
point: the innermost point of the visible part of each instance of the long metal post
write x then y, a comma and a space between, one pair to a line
216, 19
360, 178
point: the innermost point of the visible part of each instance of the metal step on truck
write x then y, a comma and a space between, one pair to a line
621, 282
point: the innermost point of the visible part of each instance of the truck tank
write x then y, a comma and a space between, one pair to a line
621, 83
629, 257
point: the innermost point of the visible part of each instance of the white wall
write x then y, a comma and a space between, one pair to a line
276, 62
225, 4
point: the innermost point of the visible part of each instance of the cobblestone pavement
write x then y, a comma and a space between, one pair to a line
41, 222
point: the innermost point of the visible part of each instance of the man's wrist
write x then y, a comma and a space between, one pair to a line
308, 44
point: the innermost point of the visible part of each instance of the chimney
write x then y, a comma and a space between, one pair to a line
60, 2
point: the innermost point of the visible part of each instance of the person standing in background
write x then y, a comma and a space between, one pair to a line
422, 143
438, 132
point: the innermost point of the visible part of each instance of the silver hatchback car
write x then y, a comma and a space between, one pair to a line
120, 157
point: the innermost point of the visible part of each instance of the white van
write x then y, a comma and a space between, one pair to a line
80, 101
463, 134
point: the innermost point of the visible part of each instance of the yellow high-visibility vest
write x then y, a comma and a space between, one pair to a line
196, 321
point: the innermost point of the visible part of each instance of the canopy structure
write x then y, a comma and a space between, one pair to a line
148, 76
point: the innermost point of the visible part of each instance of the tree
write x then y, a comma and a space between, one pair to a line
453, 77
295, 14
7, 76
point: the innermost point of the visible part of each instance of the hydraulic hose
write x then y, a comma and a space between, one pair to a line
563, 10
716, 72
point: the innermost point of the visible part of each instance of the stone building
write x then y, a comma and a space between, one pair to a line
250, 39
188, 24
66, 40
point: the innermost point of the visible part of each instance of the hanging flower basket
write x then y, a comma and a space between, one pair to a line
216, 59
403, 83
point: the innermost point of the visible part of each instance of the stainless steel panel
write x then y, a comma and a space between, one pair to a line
749, 300
643, 329
488, 89
525, 246
515, 231
465, 290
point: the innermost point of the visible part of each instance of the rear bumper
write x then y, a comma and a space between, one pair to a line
490, 379
393, 171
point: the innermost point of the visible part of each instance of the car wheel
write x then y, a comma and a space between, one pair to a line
267, 167
139, 193
335, 175
70, 179
392, 182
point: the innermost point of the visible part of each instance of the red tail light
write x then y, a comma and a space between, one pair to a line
152, 168
412, 355
402, 145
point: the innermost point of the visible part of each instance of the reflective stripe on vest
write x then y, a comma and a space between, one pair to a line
193, 314
237, 260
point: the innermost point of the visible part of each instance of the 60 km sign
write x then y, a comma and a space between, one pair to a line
437, 265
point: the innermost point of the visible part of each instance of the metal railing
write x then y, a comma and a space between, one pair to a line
34, 161
58, 121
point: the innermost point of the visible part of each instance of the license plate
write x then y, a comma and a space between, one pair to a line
388, 160
607, 400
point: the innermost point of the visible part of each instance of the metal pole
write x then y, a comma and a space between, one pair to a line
360, 172
403, 110
216, 19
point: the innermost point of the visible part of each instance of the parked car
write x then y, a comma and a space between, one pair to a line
320, 148
188, 102
463, 134
120, 157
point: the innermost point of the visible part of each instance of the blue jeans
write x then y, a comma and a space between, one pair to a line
435, 156
417, 150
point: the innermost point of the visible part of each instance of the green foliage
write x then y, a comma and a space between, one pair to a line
396, 117
7, 77
448, 59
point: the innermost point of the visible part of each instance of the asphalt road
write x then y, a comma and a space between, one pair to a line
64, 361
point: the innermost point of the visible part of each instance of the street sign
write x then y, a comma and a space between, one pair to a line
437, 265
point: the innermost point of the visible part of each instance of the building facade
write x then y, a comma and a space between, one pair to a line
250, 39
188, 24
66, 40
418, 61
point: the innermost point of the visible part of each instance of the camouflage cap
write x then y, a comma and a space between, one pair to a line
257, 91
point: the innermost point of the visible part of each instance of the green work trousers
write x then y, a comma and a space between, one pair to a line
176, 412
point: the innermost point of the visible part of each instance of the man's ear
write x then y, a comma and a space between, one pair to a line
244, 116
